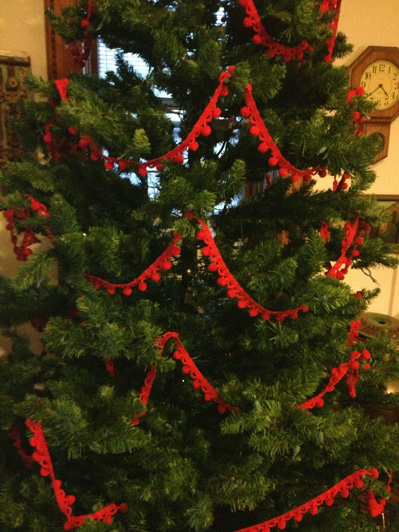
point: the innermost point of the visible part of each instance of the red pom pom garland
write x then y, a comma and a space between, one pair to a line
16, 436
354, 232
331, 5
29, 238
234, 288
161, 263
260, 130
62, 85
41, 455
350, 370
81, 52
262, 37
201, 127
358, 119
145, 393
342, 488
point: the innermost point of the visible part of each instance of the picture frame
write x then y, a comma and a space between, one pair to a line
389, 230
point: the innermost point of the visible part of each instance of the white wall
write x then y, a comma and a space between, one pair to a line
22, 29
376, 23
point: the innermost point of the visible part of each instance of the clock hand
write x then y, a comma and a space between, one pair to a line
382, 87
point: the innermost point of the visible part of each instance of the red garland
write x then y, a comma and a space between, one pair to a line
217, 264
42, 456
350, 369
262, 37
342, 488
331, 5
81, 56
377, 508
358, 119
354, 232
260, 130
199, 381
189, 368
354, 328
16, 436
145, 393
152, 272
201, 127
29, 238
234, 289
62, 85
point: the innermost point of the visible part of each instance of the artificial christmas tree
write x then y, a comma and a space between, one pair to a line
201, 366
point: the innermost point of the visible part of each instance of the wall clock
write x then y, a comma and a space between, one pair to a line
377, 71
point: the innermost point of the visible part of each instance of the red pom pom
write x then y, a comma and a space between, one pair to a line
366, 355
156, 276
253, 312
241, 303
122, 164
85, 23
216, 112
283, 172
295, 178
127, 291
206, 131
95, 155
179, 159
142, 171
109, 165
247, 22
84, 142
47, 138
359, 483
273, 161
245, 112
257, 39
72, 130
374, 472
263, 147
111, 290
222, 281
193, 146
255, 131
142, 287
201, 234
224, 91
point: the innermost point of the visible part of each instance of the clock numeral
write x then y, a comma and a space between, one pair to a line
381, 67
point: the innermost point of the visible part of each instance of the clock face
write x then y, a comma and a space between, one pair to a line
380, 81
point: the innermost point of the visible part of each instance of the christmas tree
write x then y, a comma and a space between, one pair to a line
201, 366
